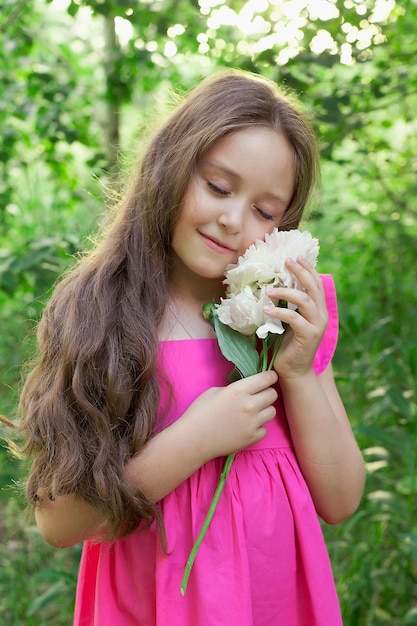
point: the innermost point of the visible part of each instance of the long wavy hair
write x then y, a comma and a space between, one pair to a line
91, 399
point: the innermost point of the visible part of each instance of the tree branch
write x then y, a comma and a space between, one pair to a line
20, 6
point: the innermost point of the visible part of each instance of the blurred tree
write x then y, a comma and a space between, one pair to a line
80, 78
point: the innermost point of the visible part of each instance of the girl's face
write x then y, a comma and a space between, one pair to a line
238, 193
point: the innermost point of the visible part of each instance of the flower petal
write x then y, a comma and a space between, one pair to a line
271, 326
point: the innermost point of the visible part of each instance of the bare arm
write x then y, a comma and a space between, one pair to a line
68, 520
221, 421
323, 440
326, 449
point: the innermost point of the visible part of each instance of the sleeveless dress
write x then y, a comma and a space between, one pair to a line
263, 560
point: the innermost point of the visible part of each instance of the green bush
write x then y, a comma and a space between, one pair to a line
60, 102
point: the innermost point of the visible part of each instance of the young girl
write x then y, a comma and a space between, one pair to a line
128, 415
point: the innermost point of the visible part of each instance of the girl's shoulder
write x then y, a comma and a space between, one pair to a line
328, 343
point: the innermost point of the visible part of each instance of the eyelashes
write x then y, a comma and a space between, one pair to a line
216, 189
223, 192
265, 216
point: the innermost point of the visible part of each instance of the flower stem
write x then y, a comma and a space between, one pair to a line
277, 345
226, 469
264, 356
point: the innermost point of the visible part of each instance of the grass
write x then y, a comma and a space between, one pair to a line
37, 583
374, 554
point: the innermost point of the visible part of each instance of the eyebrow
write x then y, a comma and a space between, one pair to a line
226, 169
221, 166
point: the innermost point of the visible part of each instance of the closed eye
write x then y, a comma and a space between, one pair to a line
223, 192
265, 216
216, 189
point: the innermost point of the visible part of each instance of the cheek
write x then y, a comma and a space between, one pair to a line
191, 206
187, 213
194, 194
257, 231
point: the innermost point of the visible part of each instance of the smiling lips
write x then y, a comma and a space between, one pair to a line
217, 245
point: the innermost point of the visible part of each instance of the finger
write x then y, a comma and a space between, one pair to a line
262, 399
301, 300
288, 316
305, 273
266, 398
262, 417
266, 415
256, 383
311, 292
300, 260
306, 320
261, 433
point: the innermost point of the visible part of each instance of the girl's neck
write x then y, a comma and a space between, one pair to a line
184, 320
195, 290
188, 292
183, 317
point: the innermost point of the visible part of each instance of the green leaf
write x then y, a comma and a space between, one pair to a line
49, 596
411, 616
237, 348
407, 485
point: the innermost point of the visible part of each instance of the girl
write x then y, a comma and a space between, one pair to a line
128, 414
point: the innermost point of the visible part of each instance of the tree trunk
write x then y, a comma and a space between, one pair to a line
113, 101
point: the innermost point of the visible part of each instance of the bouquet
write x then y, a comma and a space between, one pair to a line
242, 325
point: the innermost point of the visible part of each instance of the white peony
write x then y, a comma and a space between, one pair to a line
244, 312
263, 264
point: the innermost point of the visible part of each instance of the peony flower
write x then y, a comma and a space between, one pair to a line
264, 261
244, 312
262, 265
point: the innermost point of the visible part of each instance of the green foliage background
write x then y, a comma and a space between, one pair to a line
80, 81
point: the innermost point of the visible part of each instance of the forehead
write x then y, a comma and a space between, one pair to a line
254, 140
258, 155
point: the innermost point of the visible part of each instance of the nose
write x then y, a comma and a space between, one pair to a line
232, 216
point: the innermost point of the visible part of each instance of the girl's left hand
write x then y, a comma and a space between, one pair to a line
306, 325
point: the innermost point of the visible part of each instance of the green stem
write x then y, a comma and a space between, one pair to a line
277, 345
220, 486
264, 354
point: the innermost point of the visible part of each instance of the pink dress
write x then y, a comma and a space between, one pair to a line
263, 561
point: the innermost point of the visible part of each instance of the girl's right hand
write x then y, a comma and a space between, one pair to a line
224, 420
220, 422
